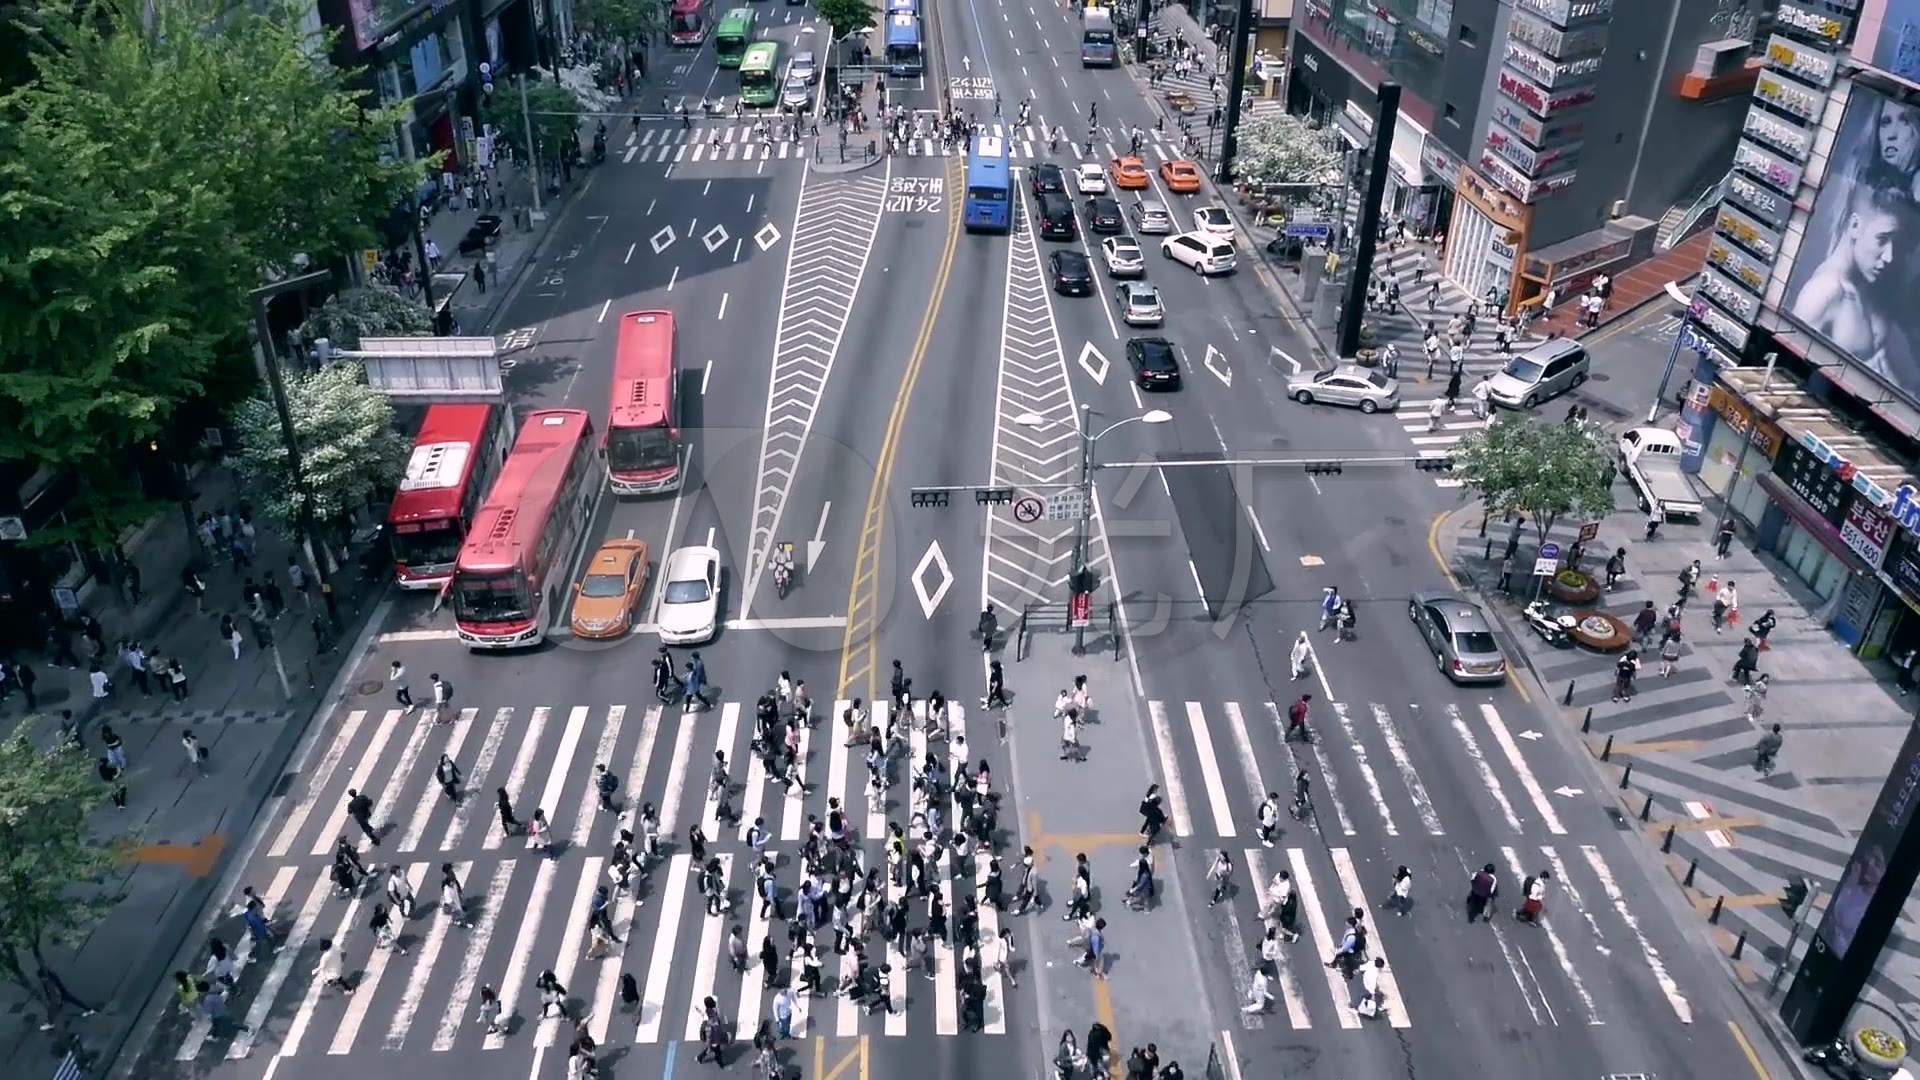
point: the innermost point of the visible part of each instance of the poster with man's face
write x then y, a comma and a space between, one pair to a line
1853, 281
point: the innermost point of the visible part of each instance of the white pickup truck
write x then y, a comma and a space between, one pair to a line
1651, 459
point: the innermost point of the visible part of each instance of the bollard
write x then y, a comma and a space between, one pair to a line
1718, 903
1606, 752
1488, 555
1586, 722
1693, 867
1483, 527
1569, 698
1646, 809
1626, 776
1666, 842
1740, 945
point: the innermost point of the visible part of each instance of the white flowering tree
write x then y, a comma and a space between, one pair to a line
349, 447
1280, 148
375, 311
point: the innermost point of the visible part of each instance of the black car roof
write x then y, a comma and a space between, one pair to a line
1074, 259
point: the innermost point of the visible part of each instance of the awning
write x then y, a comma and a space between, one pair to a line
1805, 516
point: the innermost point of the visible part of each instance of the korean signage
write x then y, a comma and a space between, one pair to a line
1724, 327
1523, 187
1526, 159
1809, 65
1763, 164
1536, 32
1902, 564
1537, 99
1789, 138
1867, 531
1902, 506
1439, 161
1566, 12
1533, 130
1546, 70
1789, 96
1748, 233
1739, 265
1827, 29
1729, 294
1765, 437
1574, 265
1492, 202
1810, 478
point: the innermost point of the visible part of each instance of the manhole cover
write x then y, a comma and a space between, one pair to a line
369, 687
1619, 819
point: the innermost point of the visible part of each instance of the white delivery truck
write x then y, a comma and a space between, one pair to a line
1651, 459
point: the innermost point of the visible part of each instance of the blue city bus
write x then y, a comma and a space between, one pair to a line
902, 7
989, 199
903, 45
1097, 45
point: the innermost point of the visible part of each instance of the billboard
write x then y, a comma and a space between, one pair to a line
1859, 263
1889, 37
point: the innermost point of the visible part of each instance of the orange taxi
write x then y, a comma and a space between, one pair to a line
1180, 177
1129, 173
603, 600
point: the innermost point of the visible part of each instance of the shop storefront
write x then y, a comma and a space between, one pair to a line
1719, 423
1571, 265
1485, 240
1318, 88
1431, 208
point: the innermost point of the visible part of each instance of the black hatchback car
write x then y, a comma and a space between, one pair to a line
1155, 364
1072, 274
1104, 216
1049, 180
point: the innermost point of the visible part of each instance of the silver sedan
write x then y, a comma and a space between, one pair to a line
1139, 304
1349, 384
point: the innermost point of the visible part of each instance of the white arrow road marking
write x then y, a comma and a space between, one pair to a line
817, 545
662, 240
1566, 792
1528, 734
1216, 362
967, 62
1094, 363
930, 598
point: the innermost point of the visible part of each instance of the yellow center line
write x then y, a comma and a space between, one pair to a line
1746, 1048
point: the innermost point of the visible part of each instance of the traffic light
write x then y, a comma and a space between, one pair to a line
1434, 464
992, 496
924, 498
1323, 468
1793, 896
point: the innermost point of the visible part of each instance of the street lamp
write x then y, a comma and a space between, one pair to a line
1088, 439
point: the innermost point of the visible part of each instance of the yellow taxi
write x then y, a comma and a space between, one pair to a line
603, 600
1129, 173
1181, 177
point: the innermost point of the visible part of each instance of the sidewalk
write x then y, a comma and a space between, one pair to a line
1689, 743
187, 821
475, 308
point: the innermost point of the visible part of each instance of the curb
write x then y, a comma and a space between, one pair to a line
839, 168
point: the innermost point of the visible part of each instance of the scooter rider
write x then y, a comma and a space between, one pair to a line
781, 563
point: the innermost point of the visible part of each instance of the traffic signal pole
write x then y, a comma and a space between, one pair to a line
1236, 90
1378, 163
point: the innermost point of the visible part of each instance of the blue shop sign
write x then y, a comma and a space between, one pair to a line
1903, 506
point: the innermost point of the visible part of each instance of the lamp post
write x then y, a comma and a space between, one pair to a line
1089, 439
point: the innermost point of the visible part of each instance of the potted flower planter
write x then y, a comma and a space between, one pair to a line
1570, 586
1880, 1052
1366, 357
1600, 632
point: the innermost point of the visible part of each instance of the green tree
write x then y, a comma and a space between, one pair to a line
552, 109
1543, 471
49, 861
1280, 148
349, 446
620, 20
847, 16
158, 162
375, 311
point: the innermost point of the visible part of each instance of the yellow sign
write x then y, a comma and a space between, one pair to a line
370, 259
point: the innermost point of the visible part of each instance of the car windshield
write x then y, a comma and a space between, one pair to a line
1376, 380
630, 448
1157, 358
692, 591
1214, 217
1072, 264
1473, 643
602, 586
1126, 251
1523, 369
427, 543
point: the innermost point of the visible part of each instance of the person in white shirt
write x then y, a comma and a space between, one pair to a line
1302, 655
1371, 999
1482, 397
102, 686
1260, 995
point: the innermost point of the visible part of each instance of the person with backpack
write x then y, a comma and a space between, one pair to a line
1481, 891
606, 783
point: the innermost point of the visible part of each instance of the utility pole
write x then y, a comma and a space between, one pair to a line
1355, 307
276, 379
1236, 90
533, 152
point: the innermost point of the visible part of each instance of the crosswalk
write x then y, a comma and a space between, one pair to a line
529, 908
671, 143
1365, 779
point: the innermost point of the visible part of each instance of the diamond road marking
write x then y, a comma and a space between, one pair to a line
715, 237
767, 236
1094, 363
662, 240
930, 599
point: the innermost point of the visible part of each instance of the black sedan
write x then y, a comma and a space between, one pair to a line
1104, 216
1048, 179
1072, 273
1155, 364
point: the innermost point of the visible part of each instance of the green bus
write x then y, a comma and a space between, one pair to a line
730, 41
759, 74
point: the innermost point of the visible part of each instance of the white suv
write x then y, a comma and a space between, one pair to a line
1091, 179
1202, 253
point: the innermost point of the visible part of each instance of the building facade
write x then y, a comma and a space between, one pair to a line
1546, 139
1804, 409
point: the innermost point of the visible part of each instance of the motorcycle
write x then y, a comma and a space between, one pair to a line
1836, 1058
783, 571
1555, 629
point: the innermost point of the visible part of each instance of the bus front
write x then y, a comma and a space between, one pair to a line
643, 434
687, 22
989, 201
903, 45
731, 40
1097, 45
759, 86
492, 597
425, 543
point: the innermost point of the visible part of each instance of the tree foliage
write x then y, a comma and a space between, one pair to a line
47, 854
1543, 471
375, 311
552, 110
160, 162
349, 447
847, 16
621, 20
1280, 148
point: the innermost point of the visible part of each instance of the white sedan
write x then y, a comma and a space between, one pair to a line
1123, 256
690, 599
1214, 221
1091, 179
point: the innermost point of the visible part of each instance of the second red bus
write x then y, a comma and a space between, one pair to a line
689, 22
643, 421
512, 574
455, 458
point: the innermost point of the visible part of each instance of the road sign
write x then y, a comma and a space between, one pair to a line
1308, 230
1549, 551
1080, 611
1028, 510
1588, 531
1066, 506
1545, 567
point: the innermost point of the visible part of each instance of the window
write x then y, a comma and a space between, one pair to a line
1467, 36
1447, 110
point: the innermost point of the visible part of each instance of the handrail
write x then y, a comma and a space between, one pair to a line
1702, 205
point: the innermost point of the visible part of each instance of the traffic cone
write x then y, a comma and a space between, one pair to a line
1713, 583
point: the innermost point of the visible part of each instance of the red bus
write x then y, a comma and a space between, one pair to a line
512, 571
455, 458
643, 422
689, 22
